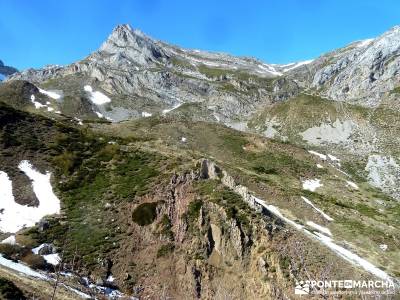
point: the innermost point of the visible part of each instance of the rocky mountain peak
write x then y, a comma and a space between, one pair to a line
133, 45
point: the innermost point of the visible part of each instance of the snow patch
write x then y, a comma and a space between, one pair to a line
10, 240
96, 97
146, 114
364, 43
15, 216
383, 247
88, 88
37, 104
352, 184
53, 259
312, 184
20, 268
78, 120
333, 158
51, 94
292, 66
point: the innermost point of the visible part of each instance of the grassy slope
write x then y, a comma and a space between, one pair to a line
92, 173
274, 171
304, 111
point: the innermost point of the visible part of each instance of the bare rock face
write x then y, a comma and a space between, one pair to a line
363, 72
137, 47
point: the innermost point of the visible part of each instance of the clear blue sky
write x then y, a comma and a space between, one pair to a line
34, 33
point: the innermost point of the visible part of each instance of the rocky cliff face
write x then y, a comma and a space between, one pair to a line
364, 72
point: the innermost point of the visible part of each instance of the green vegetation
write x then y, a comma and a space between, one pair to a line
145, 213
165, 227
181, 63
165, 250
192, 213
235, 207
396, 90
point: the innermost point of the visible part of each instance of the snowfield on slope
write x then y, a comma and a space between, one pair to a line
96, 97
15, 216
312, 184
51, 94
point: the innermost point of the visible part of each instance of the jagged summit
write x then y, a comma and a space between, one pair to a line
133, 45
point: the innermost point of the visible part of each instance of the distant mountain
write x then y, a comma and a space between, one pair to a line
6, 70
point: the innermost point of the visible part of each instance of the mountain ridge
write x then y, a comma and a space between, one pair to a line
175, 165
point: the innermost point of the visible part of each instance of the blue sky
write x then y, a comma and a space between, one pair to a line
40, 32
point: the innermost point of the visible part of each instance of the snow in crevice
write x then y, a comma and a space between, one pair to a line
319, 228
15, 216
312, 184
352, 184
317, 209
165, 111
333, 158
322, 156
